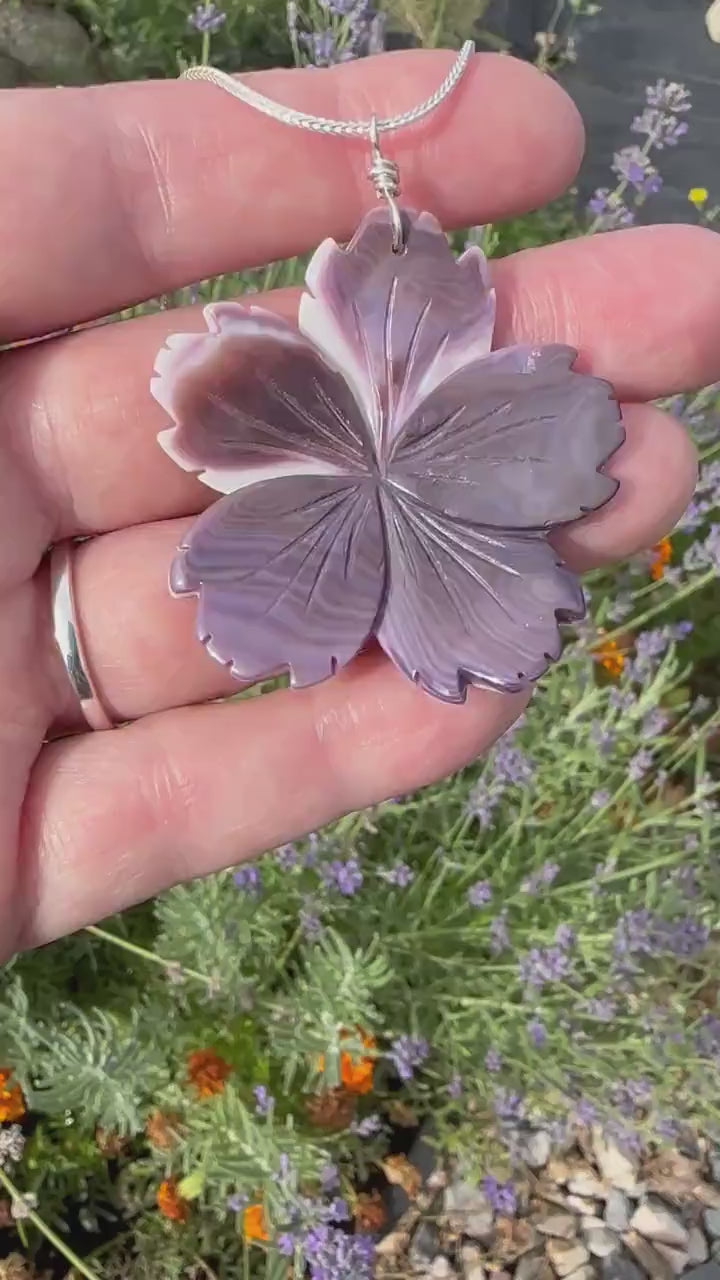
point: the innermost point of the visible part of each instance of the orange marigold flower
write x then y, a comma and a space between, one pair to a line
207, 1072
254, 1225
170, 1203
610, 657
662, 555
356, 1074
12, 1103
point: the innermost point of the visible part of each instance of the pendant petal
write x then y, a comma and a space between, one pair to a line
471, 606
252, 400
290, 575
512, 441
397, 325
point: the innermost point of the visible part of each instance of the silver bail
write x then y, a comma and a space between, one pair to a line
385, 177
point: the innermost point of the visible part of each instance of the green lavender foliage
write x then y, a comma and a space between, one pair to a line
141, 40
95, 1066
417, 960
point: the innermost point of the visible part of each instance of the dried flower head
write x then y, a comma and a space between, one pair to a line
110, 1144
207, 1072
369, 1212
12, 1145
331, 1109
170, 1203
12, 1102
162, 1130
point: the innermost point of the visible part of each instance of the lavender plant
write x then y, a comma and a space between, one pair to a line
661, 124
331, 31
557, 915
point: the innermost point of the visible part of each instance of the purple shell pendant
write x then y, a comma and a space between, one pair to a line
384, 472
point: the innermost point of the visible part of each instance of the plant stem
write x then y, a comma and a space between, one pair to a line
151, 956
689, 589
48, 1232
622, 185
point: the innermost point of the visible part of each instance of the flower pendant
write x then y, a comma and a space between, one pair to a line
385, 473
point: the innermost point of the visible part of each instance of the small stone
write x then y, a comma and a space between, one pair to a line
561, 1225
617, 1167
672, 1175
585, 1183
579, 1204
639, 1191
468, 1211
591, 1223
648, 1257
534, 1149
707, 1195
655, 1221
551, 1194
677, 1258
617, 1210
586, 1272
532, 1267
442, 1269
709, 1271
689, 1144
714, 1162
513, 1237
620, 1267
567, 1255
602, 1242
425, 1244
476, 1272
558, 1170
470, 1255
393, 1244
711, 1220
698, 1250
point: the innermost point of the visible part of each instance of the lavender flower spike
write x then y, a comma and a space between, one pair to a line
384, 472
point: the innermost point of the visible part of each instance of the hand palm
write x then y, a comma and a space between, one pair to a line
131, 191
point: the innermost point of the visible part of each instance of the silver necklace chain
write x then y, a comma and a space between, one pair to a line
383, 173
322, 124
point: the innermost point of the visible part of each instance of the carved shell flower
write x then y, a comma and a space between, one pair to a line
385, 472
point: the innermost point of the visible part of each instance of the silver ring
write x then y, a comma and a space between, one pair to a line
68, 636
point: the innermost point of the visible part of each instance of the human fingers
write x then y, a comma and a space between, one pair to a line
81, 413
116, 193
141, 643
204, 787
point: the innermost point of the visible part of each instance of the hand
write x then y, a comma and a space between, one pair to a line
115, 194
